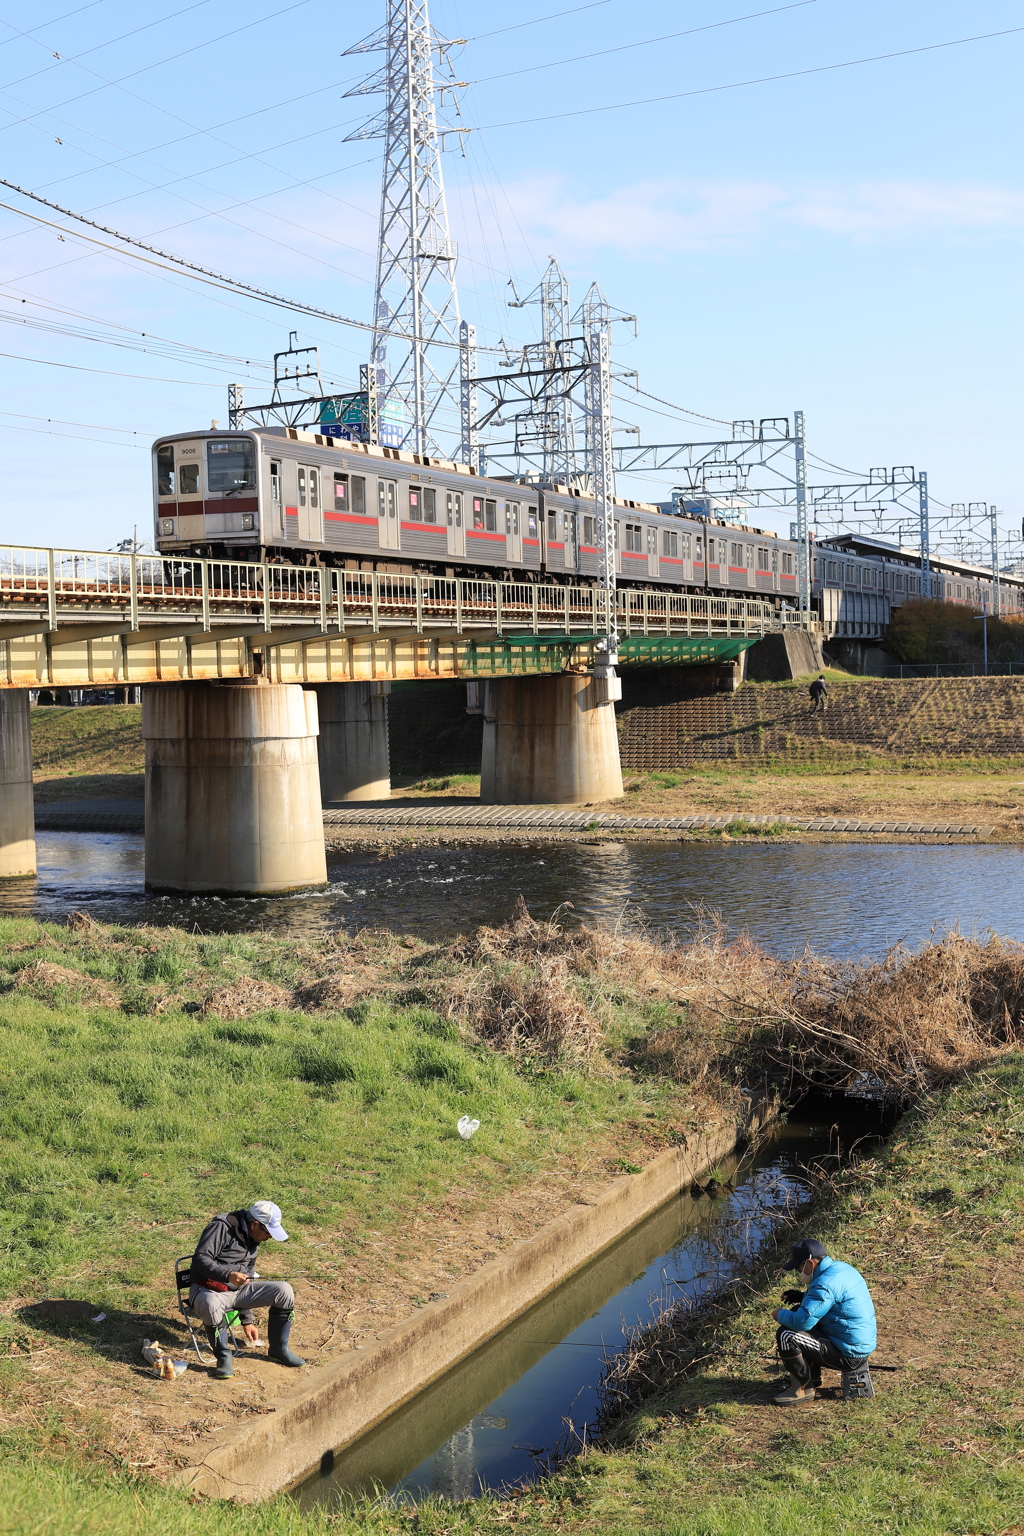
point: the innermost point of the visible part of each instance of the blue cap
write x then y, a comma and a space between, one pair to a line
799, 1253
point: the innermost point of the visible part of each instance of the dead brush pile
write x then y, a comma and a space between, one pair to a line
909, 1023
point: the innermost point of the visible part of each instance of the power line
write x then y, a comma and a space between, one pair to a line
110, 373
200, 274
74, 57
538, 19
647, 42
735, 85
91, 425
43, 25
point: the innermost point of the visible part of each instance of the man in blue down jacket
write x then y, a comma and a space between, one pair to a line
834, 1324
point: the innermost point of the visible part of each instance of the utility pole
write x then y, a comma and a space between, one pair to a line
469, 447
599, 457
416, 302
926, 548
803, 538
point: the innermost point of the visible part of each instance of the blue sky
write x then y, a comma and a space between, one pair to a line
846, 241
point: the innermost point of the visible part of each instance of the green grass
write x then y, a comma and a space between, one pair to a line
940, 1452
93, 740
117, 1123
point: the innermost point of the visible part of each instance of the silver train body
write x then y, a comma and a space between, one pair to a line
283, 495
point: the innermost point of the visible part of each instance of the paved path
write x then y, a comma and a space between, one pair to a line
128, 816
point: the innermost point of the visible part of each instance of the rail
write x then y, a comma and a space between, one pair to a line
43, 589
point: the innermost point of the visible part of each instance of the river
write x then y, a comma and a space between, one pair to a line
843, 899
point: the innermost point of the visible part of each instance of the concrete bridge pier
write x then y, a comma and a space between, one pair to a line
353, 746
551, 740
17, 809
232, 788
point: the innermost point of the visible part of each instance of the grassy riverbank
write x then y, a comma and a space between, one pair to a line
935, 1224
151, 1077
97, 752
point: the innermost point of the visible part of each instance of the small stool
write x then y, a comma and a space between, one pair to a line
857, 1383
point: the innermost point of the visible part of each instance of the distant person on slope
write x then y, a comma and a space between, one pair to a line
223, 1281
833, 1325
819, 695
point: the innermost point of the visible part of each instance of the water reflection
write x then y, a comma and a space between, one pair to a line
846, 900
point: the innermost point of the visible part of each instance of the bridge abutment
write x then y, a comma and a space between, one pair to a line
550, 740
353, 751
17, 808
232, 788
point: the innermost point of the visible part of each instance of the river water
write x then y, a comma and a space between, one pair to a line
846, 900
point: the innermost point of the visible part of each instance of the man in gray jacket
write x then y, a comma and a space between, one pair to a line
223, 1280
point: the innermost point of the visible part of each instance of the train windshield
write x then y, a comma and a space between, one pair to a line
231, 466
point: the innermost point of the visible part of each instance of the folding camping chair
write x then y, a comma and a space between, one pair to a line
183, 1284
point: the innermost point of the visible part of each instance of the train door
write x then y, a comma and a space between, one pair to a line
456, 525
191, 522
311, 516
513, 533
570, 540
653, 558
389, 532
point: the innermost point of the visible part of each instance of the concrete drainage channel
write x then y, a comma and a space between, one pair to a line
478, 1390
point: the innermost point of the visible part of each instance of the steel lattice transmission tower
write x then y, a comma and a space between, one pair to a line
552, 420
416, 308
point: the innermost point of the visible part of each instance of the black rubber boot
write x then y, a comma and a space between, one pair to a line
279, 1327
218, 1341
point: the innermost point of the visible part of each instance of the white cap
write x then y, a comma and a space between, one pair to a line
268, 1215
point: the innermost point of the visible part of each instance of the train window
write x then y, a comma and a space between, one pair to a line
736, 555
314, 487
359, 494
340, 493
387, 498
552, 527
302, 486
851, 575
275, 483
634, 539
415, 504
188, 479
454, 505
478, 511
588, 531
531, 522
833, 571
491, 516
231, 466
165, 470
787, 564
429, 504
669, 542
763, 562
512, 518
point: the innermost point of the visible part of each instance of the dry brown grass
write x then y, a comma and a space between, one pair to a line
54, 984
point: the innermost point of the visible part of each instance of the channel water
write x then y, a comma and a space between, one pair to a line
842, 899
534, 1391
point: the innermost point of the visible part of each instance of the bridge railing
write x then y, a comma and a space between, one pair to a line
66, 584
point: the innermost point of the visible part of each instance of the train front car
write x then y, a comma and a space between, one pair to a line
207, 495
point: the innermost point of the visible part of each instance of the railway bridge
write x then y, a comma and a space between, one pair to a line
266, 690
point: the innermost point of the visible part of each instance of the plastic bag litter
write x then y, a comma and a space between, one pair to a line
467, 1127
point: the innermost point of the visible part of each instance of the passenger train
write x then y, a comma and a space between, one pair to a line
283, 495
